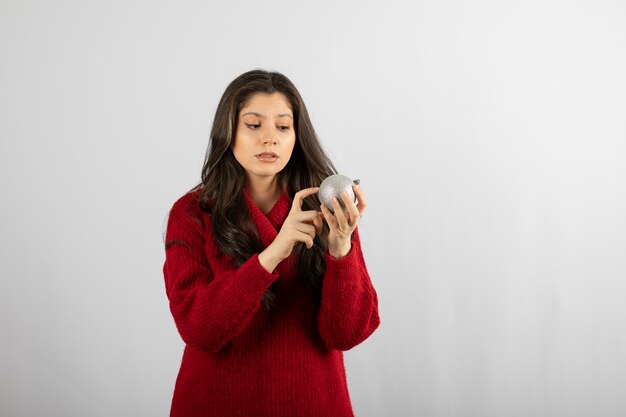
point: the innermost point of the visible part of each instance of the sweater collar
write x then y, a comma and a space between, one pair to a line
269, 224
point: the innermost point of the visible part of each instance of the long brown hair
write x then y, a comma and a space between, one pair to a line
223, 178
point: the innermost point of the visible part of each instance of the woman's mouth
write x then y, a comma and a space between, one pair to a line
267, 157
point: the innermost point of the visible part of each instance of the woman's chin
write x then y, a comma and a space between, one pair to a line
263, 173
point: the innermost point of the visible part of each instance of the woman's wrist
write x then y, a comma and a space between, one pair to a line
340, 249
269, 259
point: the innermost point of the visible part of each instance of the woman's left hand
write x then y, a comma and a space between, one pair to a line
343, 222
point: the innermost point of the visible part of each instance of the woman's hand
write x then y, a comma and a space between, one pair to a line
299, 226
343, 222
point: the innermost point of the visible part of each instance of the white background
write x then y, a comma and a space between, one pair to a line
490, 138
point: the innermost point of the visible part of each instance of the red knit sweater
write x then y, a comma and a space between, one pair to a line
243, 360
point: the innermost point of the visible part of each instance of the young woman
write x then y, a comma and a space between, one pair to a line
266, 286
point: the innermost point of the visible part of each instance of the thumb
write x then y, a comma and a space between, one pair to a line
296, 206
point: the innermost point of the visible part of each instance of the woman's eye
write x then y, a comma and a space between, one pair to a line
252, 126
283, 128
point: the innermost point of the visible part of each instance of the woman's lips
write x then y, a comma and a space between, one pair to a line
267, 157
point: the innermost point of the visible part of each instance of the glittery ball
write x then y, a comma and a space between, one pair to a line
332, 186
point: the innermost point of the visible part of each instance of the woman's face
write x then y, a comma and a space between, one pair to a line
265, 135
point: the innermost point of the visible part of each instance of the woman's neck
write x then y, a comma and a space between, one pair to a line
263, 192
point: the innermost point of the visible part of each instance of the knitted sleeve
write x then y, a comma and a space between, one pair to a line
349, 307
209, 309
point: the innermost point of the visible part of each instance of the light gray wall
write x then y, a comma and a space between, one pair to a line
489, 137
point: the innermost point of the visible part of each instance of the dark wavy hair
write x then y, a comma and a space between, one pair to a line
223, 178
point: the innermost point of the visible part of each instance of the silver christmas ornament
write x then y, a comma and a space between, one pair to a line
332, 186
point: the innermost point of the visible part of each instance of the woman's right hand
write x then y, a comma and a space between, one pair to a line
299, 226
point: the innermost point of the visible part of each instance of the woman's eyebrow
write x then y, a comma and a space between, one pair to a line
253, 114
259, 115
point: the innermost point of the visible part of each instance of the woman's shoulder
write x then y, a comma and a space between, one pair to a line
191, 201
190, 205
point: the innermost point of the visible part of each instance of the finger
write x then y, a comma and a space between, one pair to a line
328, 216
362, 202
351, 208
318, 223
307, 216
340, 216
309, 229
306, 239
296, 205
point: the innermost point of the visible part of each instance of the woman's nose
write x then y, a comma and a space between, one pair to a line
269, 139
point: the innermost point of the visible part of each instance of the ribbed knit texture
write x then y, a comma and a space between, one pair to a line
243, 360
